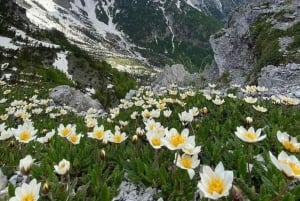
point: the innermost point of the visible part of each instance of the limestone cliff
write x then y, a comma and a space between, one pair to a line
260, 35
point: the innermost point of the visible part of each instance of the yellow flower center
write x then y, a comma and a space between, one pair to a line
250, 135
147, 115
290, 146
25, 135
295, 168
118, 138
62, 165
177, 140
74, 138
28, 197
156, 141
151, 127
99, 134
65, 132
216, 185
186, 162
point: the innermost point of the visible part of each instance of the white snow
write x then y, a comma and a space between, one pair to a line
73, 22
33, 42
192, 3
61, 63
4, 66
178, 4
6, 76
169, 26
7, 43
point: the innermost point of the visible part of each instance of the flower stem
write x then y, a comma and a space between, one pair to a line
284, 190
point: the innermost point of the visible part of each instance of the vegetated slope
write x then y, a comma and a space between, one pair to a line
37, 51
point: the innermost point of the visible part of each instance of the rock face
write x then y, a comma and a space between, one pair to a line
218, 8
65, 95
281, 80
175, 74
238, 51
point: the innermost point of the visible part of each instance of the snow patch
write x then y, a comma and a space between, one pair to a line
33, 42
61, 63
193, 4
169, 26
7, 43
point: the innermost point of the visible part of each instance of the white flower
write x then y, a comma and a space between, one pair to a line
211, 85
74, 138
167, 113
175, 140
25, 164
91, 122
261, 89
194, 111
25, 133
123, 123
186, 117
260, 108
65, 131
146, 114
250, 100
134, 115
155, 139
151, 125
139, 131
99, 133
249, 135
187, 162
27, 192
231, 96
215, 184
3, 100
47, 137
290, 165
218, 101
190, 147
290, 143
6, 134
63, 167
251, 89
117, 137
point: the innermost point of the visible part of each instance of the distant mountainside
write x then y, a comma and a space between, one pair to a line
154, 32
48, 56
220, 9
260, 45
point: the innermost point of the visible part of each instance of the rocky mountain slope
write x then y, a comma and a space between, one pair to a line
220, 9
154, 32
27, 52
260, 45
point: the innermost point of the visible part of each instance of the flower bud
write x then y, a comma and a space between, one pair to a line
46, 188
102, 154
204, 110
249, 120
134, 139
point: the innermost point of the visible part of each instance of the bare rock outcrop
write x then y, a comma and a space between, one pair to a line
281, 80
66, 95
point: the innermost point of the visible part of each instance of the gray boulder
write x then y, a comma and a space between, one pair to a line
175, 74
65, 95
281, 80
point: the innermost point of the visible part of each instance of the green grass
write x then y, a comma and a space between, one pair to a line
94, 178
266, 44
